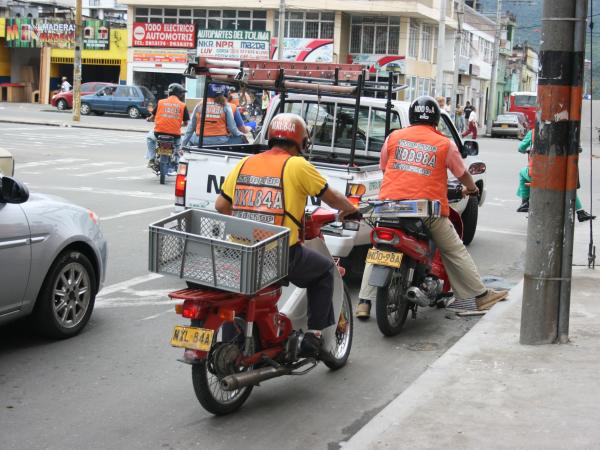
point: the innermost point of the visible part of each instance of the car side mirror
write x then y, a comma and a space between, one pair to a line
13, 191
470, 148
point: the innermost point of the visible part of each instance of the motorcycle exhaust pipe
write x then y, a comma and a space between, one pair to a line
416, 295
252, 377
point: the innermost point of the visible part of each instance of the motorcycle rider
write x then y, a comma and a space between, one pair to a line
219, 125
415, 161
291, 180
168, 117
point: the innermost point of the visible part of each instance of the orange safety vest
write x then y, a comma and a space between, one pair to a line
216, 121
416, 166
168, 116
259, 191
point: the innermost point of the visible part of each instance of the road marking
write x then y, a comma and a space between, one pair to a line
155, 316
135, 212
98, 172
500, 231
117, 287
49, 162
118, 192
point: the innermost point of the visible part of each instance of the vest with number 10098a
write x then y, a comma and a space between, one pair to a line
416, 166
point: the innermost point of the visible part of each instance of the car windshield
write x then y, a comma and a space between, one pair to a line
507, 118
525, 100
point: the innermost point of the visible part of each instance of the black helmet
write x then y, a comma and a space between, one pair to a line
176, 89
424, 110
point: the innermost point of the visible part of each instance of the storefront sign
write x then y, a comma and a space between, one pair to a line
309, 50
235, 44
170, 35
55, 33
161, 56
381, 64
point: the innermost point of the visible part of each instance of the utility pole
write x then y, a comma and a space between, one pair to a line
77, 63
439, 79
549, 256
492, 97
460, 13
281, 30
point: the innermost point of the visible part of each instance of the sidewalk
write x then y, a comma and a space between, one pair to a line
34, 114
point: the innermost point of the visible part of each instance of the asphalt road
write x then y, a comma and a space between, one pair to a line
119, 384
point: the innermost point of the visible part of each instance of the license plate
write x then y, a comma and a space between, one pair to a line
382, 258
504, 126
193, 338
164, 151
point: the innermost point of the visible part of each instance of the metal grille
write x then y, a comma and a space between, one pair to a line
219, 251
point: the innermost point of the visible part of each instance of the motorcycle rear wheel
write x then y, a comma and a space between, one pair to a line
208, 389
343, 336
392, 305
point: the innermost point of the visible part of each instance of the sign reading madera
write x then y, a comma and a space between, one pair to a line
235, 44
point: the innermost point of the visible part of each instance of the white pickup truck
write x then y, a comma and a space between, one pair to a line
330, 119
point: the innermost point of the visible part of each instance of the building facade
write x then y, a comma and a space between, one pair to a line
387, 36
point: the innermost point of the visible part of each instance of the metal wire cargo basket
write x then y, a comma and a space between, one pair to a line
223, 252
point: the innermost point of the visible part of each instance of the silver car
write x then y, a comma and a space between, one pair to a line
52, 260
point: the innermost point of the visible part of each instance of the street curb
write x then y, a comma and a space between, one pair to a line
400, 408
69, 125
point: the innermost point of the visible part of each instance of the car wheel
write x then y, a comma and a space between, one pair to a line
469, 218
62, 105
66, 300
85, 109
134, 113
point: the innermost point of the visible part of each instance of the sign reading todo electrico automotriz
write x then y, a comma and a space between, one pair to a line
235, 44
163, 35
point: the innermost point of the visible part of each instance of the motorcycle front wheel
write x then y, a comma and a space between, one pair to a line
207, 375
392, 305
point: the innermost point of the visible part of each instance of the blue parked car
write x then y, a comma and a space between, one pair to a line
136, 101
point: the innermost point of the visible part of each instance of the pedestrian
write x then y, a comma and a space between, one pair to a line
459, 119
467, 111
472, 123
65, 86
264, 104
441, 101
448, 107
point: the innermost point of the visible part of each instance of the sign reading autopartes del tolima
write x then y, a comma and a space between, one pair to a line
235, 44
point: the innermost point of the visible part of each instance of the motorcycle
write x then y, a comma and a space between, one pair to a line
407, 268
236, 341
165, 157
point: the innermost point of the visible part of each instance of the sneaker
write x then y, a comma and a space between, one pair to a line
584, 216
524, 206
150, 164
171, 173
310, 344
489, 299
363, 310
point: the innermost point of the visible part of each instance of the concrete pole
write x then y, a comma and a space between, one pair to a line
439, 78
460, 13
77, 63
547, 278
281, 30
493, 86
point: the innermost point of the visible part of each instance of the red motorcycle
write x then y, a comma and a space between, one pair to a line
407, 268
238, 340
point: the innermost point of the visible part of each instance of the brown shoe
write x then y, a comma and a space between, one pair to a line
489, 299
363, 310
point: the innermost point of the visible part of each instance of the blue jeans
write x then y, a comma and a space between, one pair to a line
151, 145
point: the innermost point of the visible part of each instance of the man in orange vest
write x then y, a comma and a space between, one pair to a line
168, 117
273, 187
415, 161
219, 125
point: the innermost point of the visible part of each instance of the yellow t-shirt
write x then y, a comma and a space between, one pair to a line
300, 180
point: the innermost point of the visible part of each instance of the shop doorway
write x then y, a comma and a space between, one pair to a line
158, 83
89, 72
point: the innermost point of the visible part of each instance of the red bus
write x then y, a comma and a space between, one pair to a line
525, 102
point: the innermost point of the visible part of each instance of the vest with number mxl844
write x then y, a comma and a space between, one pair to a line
169, 116
259, 190
416, 166
216, 122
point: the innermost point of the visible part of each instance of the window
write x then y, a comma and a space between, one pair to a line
124, 91
212, 19
426, 41
377, 128
413, 39
375, 35
300, 24
465, 48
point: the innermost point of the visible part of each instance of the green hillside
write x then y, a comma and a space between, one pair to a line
529, 13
